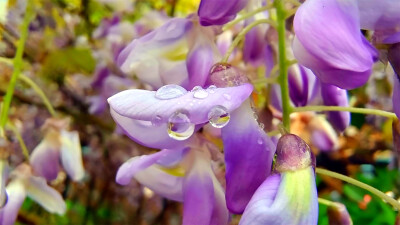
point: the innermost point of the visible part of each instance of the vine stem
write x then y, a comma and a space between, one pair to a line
320, 108
18, 135
241, 35
245, 16
359, 184
283, 67
326, 202
40, 92
29, 13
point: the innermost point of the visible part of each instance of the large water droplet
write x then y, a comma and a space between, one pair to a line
170, 91
218, 116
199, 92
179, 126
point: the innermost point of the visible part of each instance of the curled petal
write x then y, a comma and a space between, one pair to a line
145, 133
46, 196
71, 155
248, 156
45, 158
218, 12
299, 89
16, 196
334, 96
144, 105
290, 198
323, 135
329, 42
147, 171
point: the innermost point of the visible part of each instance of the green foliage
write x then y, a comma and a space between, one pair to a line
66, 61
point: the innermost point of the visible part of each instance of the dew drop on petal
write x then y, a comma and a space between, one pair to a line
211, 89
259, 141
170, 91
218, 116
261, 125
227, 97
179, 126
157, 120
199, 92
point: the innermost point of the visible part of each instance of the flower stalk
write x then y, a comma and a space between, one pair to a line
29, 14
319, 108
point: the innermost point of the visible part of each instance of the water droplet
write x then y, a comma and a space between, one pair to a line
179, 126
259, 141
227, 96
218, 116
211, 89
170, 91
199, 92
157, 120
255, 116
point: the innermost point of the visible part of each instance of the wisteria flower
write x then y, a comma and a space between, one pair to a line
58, 144
290, 195
329, 42
184, 175
334, 96
219, 12
23, 184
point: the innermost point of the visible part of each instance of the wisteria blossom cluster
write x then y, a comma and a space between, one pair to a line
196, 97
235, 100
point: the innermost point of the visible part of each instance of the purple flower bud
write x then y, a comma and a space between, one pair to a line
337, 214
334, 96
219, 12
292, 153
329, 42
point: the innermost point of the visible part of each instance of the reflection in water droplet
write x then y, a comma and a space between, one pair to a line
227, 96
170, 91
179, 126
218, 116
199, 92
211, 89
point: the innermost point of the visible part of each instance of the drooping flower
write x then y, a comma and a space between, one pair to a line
290, 195
248, 150
184, 175
23, 184
166, 118
334, 96
57, 144
219, 12
178, 52
329, 42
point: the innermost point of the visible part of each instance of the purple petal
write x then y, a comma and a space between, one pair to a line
144, 105
45, 158
16, 196
394, 59
396, 95
255, 46
71, 155
379, 15
145, 133
338, 214
294, 201
145, 170
199, 62
3, 180
298, 86
248, 156
329, 42
198, 189
46, 196
334, 96
218, 12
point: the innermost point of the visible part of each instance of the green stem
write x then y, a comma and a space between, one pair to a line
25, 151
359, 184
6, 60
325, 202
241, 35
245, 16
316, 108
283, 67
29, 13
39, 91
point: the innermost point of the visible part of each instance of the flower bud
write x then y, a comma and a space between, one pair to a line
337, 214
292, 154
